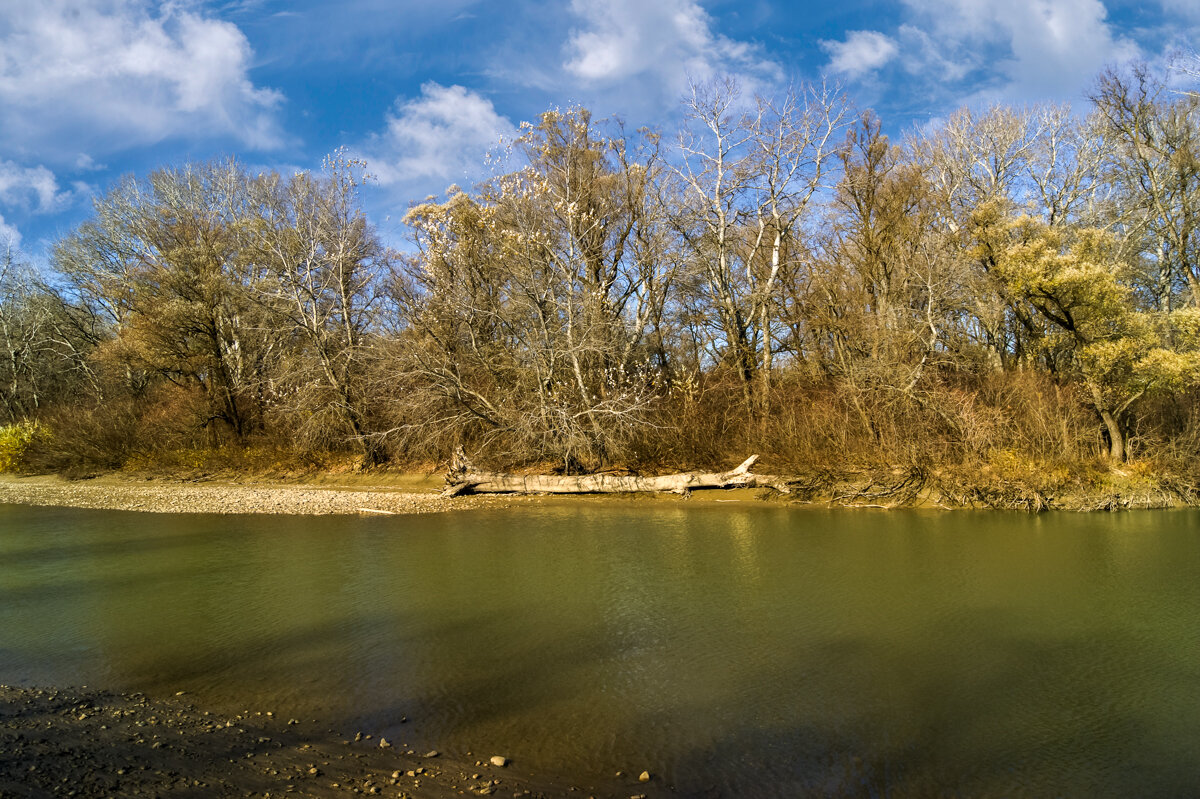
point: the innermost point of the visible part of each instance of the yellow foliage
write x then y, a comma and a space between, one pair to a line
1071, 281
14, 441
1010, 465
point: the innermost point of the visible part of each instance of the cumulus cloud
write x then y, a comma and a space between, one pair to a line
440, 137
669, 41
862, 52
110, 73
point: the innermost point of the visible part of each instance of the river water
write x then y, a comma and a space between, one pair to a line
731, 650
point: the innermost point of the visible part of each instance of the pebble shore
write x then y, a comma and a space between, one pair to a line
80, 742
113, 493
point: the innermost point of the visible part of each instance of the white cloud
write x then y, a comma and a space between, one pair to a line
10, 237
1187, 8
669, 41
1034, 49
34, 188
115, 73
860, 53
438, 138
920, 54
1061, 46
29, 191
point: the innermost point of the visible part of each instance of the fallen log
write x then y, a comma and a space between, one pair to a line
465, 478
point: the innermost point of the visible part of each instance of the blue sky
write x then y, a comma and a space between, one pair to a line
93, 89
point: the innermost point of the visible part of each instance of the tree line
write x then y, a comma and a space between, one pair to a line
1013, 288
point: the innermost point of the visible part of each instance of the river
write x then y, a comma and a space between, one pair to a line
730, 650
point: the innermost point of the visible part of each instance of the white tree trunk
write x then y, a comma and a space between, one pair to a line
464, 478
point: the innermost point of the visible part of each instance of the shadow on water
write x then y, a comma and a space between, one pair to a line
68, 586
1017, 727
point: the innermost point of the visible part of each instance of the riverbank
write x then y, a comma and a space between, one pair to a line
81, 742
396, 493
366, 495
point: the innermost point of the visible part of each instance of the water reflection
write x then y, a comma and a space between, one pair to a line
734, 651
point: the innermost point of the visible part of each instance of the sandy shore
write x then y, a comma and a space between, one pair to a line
80, 742
114, 492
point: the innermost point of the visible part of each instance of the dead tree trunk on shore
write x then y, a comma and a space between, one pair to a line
464, 478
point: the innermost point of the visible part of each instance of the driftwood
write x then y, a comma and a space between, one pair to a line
465, 478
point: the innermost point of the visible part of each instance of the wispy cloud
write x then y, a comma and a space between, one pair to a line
102, 75
1014, 50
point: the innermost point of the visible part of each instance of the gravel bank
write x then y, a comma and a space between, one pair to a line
87, 743
115, 493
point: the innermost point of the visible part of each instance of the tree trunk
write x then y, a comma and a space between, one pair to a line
464, 478
1116, 436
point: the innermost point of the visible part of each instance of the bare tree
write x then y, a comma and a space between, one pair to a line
164, 259
1065, 168
1153, 143
322, 262
45, 343
533, 309
747, 177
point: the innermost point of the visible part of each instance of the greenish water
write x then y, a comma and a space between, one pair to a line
734, 651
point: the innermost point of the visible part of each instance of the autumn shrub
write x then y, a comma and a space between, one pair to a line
84, 439
699, 422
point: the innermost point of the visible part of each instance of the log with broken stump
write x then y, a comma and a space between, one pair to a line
465, 478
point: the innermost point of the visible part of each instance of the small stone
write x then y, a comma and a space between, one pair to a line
395, 775
431, 753
644, 776
384, 743
314, 771
499, 760
358, 737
